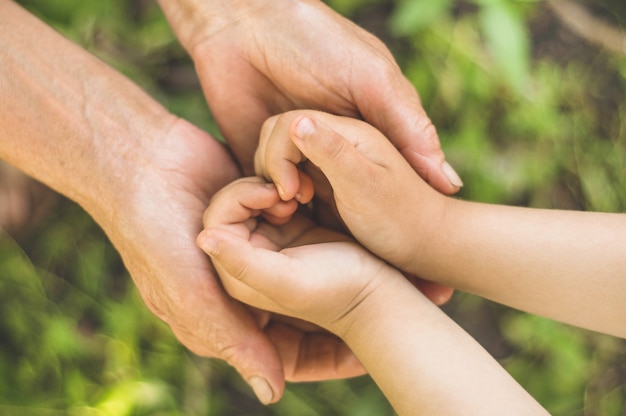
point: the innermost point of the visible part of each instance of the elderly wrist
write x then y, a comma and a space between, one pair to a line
117, 164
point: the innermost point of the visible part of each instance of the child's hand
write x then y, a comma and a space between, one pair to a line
321, 278
305, 349
381, 199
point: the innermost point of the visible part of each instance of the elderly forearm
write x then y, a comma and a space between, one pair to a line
68, 119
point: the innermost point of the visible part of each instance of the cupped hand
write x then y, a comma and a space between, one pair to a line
258, 59
155, 229
286, 264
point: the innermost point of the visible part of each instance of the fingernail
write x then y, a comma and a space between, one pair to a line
451, 174
207, 243
304, 128
281, 192
261, 389
276, 187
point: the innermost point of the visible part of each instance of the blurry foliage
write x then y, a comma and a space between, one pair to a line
528, 113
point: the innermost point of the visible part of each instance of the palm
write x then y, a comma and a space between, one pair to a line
157, 240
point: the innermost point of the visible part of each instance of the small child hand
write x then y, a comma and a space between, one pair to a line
319, 278
377, 193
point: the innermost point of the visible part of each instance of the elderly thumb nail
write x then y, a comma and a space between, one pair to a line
304, 128
261, 389
451, 174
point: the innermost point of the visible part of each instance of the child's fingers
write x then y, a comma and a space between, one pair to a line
277, 160
244, 199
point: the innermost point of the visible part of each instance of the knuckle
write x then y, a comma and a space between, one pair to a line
239, 271
427, 133
333, 148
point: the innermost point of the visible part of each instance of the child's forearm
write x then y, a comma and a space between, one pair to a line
566, 265
422, 360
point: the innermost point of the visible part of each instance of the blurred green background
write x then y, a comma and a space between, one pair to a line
530, 106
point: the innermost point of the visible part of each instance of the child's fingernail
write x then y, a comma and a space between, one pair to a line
451, 174
304, 128
261, 389
207, 243
281, 192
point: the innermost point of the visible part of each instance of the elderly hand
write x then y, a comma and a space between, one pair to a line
256, 59
146, 177
156, 238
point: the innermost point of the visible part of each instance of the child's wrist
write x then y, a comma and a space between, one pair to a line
357, 323
424, 231
433, 242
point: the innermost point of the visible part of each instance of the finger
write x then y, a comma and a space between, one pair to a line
281, 212
313, 356
306, 190
239, 262
243, 345
244, 199
277, 158
393, 106
437, 293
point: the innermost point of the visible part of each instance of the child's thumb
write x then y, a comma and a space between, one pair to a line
229, 252
338, 159
238, 261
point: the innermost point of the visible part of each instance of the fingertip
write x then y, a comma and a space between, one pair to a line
435, 171
258, 361
453, 177
303, 128
307, 188
262, 390
437, 293
207, 242
220, 243
443, 295
280, 189
284, 193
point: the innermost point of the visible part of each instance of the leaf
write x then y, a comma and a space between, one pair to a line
508, 42
411, 16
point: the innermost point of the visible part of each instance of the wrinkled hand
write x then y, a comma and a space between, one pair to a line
155, 232
258, 59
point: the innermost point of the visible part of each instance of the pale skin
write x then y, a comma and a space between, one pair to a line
79, 127
301, 54
565, 265
418, 356
75, 124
